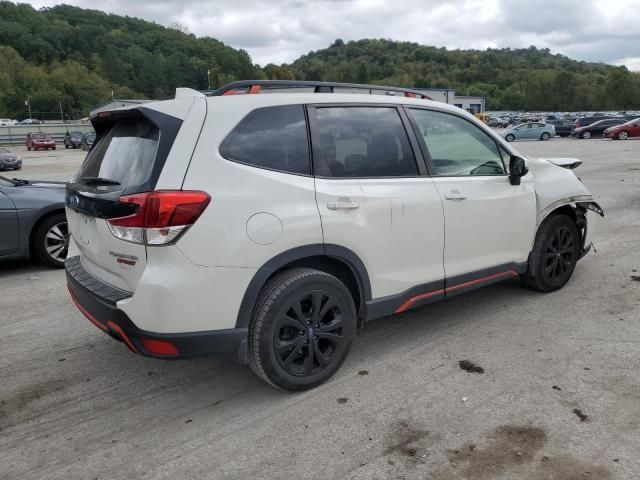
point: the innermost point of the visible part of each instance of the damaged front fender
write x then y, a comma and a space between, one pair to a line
593, 206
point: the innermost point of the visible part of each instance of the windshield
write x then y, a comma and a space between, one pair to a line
76, 134
631, 122
39, 136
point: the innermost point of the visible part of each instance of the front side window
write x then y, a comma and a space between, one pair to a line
456, 146
272, 137
362, 142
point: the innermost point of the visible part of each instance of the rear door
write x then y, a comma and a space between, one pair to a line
373, 198
130, 154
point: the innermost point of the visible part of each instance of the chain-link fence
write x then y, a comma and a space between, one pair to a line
17, 134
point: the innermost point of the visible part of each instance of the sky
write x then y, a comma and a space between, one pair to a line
279, 31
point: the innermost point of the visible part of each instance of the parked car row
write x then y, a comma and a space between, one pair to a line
618, 128
79, 139
8, 122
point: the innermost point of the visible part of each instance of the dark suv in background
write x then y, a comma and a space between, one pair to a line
73, 139
563, 127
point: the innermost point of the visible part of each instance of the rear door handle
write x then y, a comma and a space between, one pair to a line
343, 205
454, 196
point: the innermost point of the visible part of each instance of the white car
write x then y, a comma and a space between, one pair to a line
7, 122
265, 227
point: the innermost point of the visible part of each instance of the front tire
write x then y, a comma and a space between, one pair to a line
510, 138
586, 135
623, 135
545, 136
555, 254
301, 330
51, 240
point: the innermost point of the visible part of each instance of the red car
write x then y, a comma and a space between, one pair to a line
36, 141
624, 131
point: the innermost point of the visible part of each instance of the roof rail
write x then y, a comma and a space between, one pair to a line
256, 86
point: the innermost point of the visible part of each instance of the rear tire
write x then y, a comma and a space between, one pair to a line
51, 240
545, 136
554, 255
302, 328
510, 138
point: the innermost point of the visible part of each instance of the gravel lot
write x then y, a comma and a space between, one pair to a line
559, 397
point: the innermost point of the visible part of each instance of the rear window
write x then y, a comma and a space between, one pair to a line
125, 154
273, 137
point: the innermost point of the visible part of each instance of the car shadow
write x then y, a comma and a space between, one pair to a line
8, 266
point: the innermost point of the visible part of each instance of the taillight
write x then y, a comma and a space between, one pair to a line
159, 217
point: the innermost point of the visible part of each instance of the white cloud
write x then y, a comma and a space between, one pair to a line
281, 30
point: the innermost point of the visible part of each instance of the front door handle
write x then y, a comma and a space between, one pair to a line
343, 205
454, 196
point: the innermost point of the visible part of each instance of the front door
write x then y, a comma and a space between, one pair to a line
489, 223
9, 232
373, 198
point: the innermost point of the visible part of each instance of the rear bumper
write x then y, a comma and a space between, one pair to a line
98, 302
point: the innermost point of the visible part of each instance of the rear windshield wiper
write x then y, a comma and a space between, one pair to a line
98, 181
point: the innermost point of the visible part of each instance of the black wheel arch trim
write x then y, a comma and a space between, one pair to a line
348, 257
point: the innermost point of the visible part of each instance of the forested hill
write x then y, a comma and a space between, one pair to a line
79, 56
76, 58
530, 79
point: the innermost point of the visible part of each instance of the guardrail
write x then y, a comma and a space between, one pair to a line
17, 134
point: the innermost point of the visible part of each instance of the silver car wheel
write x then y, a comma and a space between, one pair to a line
56, 241
586, 135
623, 135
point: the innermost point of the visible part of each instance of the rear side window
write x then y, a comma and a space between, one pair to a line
362, 142
272, 137
125, 154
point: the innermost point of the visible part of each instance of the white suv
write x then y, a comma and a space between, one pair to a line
264, 221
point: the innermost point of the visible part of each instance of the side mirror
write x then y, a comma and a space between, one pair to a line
517, 170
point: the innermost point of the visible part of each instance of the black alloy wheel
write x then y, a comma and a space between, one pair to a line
302, 327
555, 254
560, 254
309, 333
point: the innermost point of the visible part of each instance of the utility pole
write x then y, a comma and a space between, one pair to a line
27, 102
61, 114
209, 78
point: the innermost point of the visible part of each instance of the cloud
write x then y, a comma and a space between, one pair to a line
281, 30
